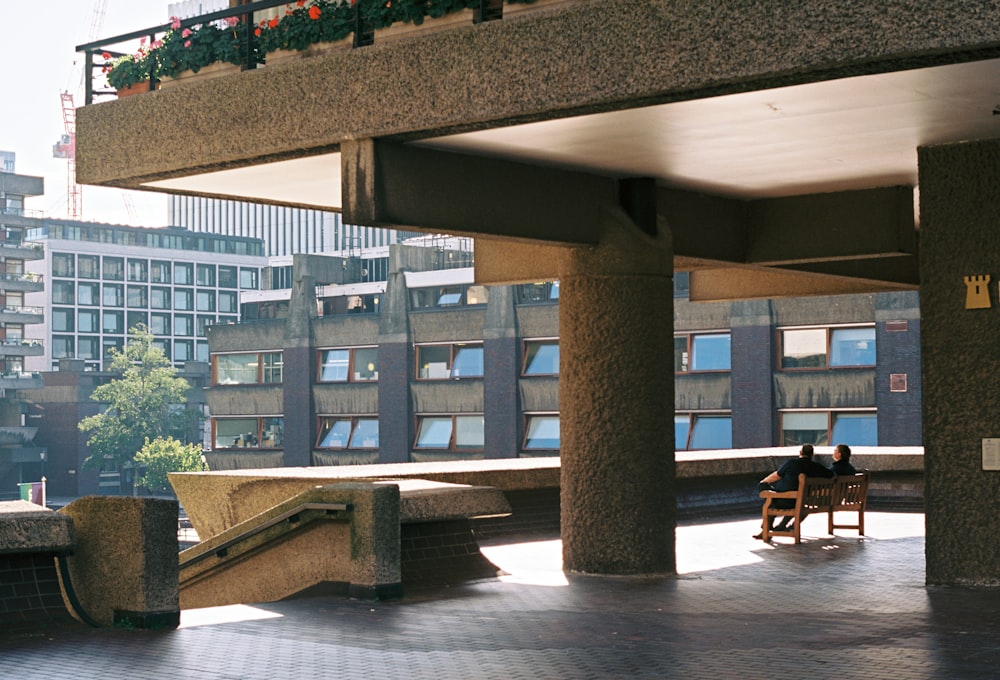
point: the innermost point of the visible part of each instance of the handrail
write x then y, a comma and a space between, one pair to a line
222, 549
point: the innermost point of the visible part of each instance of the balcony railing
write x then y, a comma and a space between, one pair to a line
37, 311
99, 55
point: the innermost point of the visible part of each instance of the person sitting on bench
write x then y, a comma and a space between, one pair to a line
842, 461
786, 478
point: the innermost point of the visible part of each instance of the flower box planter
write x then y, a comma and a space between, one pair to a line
204, 73
397, 31
281, 56
520, 8
135, 88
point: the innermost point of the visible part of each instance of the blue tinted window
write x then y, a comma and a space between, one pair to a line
855, 429
682, 426
712, 432
710, 352
852, 347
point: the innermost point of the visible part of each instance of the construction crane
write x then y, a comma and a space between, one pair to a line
66, 148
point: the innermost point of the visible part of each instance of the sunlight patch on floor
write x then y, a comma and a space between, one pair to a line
537, 563
234, 613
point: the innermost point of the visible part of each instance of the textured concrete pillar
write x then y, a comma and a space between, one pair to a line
500, 374
753, 357
616, 404
299, 368
395, 368
959, 238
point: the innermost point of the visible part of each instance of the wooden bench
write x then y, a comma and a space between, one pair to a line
818, 494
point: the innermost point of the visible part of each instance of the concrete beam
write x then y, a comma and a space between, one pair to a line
747, 283
846, 225
394, 185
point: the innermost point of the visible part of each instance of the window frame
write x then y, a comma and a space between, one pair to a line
353, 374
526, 364
831, 423
454, 349
354, 424
268, 365
693, 418
529, 418
830, 331
262, 425
452, 445
688, 353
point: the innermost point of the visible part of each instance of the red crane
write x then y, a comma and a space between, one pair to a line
66, 148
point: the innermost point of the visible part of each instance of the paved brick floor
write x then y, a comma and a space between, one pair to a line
843, 607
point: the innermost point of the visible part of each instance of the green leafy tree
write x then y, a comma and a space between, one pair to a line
162, 456
145, 401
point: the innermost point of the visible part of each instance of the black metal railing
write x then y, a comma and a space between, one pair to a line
98, 54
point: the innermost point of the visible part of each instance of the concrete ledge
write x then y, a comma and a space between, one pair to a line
26, 528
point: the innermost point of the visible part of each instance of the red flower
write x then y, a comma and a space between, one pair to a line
300, 2
105, 55
256, 31
314, 12
272, 23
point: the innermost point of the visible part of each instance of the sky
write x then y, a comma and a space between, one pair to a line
37, 63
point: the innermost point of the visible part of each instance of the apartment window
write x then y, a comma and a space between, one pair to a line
183, 324
159, 324
62, 347
702, 431
450, 433
113, 268
541, 357
114, 295
183, 350
825, 428
88, 266
63, 264
159, 271
532, 293
15, 331
248, 278
248, 433
443, 362
271, 367
62, 319
448, 296
63, 293
227, 277
111, 345
206, 274
183, 273
135, 319
88, 347
159, 298
201, 351
88, 321
827, 347
347, 432
183, 299
138, 270
355, 364
247, 368
541, 432
201, 325
138, 296
88, 293
228, 302
702, 352
114, 322
205, 300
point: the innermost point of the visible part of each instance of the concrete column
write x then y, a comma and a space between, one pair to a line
898, 388
960, 324
616, 404
299, 369
395, 368
753, 358
500, 374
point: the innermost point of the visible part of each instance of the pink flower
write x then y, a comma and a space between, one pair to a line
187, 43
232, 21
186, 33
175, 23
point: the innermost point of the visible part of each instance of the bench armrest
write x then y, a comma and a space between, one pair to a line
778, 494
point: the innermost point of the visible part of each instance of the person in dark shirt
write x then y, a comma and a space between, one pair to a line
841, 461
786, 478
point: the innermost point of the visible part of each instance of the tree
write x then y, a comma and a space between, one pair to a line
162, 456
144, 402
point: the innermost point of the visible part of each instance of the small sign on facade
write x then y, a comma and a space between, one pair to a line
991, 454
977, 293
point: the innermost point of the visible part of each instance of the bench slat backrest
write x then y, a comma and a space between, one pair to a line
817, 493
852, 491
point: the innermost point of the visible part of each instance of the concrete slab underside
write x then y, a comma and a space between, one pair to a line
833, 607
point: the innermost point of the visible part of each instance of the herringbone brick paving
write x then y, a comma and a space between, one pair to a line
843, 607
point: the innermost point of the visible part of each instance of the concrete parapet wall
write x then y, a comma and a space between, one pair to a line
124, 568
29, 528
309, 542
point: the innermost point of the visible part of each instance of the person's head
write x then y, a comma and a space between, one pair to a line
842, 452
806, 451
